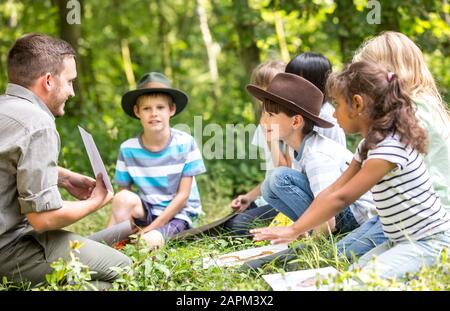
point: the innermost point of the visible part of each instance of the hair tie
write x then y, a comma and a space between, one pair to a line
390, 76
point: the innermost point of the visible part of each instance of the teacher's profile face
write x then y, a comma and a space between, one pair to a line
63, 87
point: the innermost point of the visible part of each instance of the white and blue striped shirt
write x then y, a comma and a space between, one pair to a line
408, 206
158, 174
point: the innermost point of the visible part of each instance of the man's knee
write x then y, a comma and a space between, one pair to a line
101, 258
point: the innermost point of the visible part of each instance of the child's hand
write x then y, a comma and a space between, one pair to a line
240, 204
275, 234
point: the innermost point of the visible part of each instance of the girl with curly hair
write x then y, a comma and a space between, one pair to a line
388, 161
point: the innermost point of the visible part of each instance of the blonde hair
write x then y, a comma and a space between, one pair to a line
401, 55
265, 72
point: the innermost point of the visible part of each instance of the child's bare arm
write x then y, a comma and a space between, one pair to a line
326, 205
177, 204
278, 158
329, 203
288, 157
243, 201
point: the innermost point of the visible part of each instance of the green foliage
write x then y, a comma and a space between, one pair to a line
166, 37
178, 266
70, 274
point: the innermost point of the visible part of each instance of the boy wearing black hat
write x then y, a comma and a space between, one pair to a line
161, 162
291, 108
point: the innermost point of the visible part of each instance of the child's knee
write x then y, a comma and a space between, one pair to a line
126, 199
279, 177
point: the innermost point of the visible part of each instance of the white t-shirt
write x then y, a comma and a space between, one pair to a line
323, 161
408, 206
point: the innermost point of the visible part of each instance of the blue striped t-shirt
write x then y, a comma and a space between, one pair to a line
158, 174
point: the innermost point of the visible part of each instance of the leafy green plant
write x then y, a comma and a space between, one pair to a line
70, 274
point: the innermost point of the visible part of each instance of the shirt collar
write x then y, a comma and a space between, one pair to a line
298, 157
24, 93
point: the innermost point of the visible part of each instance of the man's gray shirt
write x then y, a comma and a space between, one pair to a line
29, 148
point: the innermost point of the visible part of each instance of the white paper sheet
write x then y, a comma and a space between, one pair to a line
304, 280
238, 258
94, 157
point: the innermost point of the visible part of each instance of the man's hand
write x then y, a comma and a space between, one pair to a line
100, 195
77, 185
275, 234
240, 204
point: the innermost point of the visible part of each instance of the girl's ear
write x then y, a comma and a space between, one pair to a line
358, 104
136, 110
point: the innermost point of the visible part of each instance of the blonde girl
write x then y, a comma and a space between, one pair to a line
396, 51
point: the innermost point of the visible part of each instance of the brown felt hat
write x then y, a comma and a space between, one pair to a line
295, 93
153, 82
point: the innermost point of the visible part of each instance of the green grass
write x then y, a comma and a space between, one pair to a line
178, 264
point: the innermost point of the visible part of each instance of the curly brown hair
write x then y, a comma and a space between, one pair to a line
388, 106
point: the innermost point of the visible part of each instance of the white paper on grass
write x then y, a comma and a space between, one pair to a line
303, 280
238, 258
94, 157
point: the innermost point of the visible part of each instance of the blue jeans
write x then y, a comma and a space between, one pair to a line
288, 191
253, 216
397, 259
363, 239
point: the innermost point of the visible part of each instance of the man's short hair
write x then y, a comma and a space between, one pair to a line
35, 54
143, 98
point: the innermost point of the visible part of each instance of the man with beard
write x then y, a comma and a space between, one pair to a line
41, 70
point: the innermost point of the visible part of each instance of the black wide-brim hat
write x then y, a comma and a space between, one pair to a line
294, 93
153, 82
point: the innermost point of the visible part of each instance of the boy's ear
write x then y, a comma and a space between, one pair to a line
297, 121
136, 110
173, 109
358, 104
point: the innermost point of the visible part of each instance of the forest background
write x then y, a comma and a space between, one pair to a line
208, 48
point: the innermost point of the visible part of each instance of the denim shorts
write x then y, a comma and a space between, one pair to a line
171, 228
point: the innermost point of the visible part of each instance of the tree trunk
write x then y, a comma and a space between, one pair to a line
279, 29
211, 48
163, 30
344, 11
127, 63
248, 50
72, 33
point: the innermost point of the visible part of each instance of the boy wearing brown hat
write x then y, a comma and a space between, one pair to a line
161, 162
291, 108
